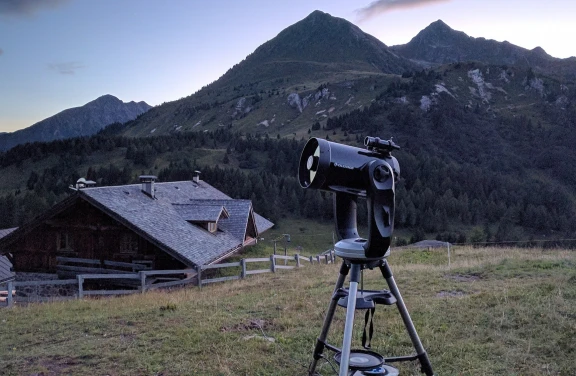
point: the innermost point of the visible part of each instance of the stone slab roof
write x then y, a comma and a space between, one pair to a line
159, 220
262, 224
201, 212
6, 231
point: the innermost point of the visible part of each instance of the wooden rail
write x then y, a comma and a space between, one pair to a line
13, 285
328, 259
190, 275
144, 279
70, 266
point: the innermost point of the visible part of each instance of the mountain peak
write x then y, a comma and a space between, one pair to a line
107, 98
539, 51
317, 43
318, 14
439, 32
323, 23
438, 25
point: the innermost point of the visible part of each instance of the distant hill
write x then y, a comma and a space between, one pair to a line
440, 44
79, 121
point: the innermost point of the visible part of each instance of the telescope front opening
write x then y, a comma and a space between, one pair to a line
309, 163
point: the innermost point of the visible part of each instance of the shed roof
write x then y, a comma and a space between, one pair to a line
6, 273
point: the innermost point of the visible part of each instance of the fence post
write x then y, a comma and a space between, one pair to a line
80, 286
318, 259
243, 264
326, 257
333, 255
142, 282
297, 258
311, 260
199, 274
448, 245
10, 298
272, 264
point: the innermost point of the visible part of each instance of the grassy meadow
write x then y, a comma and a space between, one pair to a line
494, 311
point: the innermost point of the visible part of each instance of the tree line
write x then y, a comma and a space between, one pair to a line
432, 196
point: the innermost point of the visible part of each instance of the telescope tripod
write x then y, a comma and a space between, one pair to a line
360, 362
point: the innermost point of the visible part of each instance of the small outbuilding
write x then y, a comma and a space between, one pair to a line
6, 273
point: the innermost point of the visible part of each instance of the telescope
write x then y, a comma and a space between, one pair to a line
352, 172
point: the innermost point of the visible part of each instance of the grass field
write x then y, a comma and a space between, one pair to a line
307, 237
493, 312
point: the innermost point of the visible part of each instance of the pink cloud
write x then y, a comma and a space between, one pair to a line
382, 6
27, 7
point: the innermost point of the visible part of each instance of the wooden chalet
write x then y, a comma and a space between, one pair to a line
161, 226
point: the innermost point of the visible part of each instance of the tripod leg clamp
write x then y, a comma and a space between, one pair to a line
318, 349
426, 366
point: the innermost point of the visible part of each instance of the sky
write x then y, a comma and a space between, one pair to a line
58, 54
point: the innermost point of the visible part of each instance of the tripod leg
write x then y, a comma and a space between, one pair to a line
321, 341
426, 366
349, 326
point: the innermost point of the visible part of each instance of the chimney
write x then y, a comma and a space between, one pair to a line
196, 178
83, 183
148, 184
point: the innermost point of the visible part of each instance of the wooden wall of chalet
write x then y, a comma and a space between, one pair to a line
250, 237
83, 231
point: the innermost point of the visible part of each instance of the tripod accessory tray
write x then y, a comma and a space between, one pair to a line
367, 363
366, 299
362, 360
383, 370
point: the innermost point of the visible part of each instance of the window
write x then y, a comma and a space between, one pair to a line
129, 244
63, 242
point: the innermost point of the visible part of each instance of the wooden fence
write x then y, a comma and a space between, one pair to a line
68, 266
143, 280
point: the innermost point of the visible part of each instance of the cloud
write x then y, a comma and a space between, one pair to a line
27, 7
66, 68
382, 6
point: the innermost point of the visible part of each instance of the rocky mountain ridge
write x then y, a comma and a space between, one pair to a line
439, 44
323, 67
262, 88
